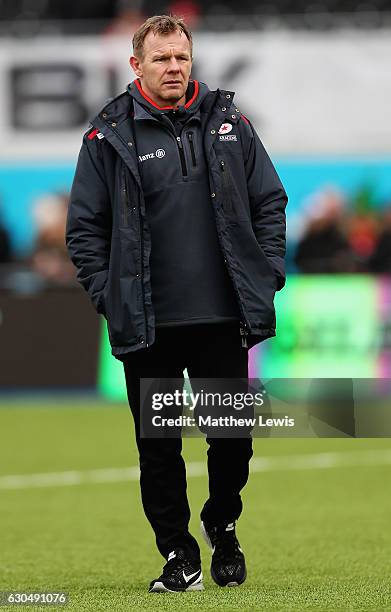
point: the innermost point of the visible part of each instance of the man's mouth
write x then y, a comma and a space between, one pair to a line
172, 83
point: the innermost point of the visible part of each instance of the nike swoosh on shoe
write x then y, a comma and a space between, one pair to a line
187, 578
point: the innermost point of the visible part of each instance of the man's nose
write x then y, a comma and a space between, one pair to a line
173, 65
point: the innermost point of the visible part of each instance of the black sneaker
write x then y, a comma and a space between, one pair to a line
179, 574
228, 567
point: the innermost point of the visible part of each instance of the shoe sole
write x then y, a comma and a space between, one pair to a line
209, 543
229, 584
159, 587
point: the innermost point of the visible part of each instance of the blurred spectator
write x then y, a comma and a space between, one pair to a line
50, 257
128, 19
130, 15
188, 9
323, 247
362, 226
362, 230
380, 261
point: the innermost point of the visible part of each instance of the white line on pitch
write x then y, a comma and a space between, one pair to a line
198, 468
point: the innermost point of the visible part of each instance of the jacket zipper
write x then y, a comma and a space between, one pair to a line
142, 273
141, 248
227, 206
243, 327
193, 157
227, 200
140, 223
124, 196
182, 155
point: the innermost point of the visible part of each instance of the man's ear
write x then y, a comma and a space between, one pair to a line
135, 65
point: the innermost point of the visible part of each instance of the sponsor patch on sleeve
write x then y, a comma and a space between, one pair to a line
96, 133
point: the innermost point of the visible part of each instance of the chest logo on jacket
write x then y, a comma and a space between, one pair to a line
225, 128
223, 132
159, 153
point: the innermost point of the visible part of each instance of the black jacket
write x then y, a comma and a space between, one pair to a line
109, 239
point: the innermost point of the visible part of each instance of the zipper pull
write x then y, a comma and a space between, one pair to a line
244, 334
222, 164
179, 142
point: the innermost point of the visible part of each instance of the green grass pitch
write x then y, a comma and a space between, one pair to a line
315, 539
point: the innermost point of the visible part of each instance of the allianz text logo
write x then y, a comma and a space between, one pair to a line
159, 153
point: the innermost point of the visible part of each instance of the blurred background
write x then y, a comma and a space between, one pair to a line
314, 78
312, 75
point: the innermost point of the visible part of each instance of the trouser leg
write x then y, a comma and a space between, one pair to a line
228, 468
162, 468
216, 352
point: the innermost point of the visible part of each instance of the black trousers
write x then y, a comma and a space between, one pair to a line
206, 350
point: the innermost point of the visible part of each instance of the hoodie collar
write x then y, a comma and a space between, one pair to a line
195, 93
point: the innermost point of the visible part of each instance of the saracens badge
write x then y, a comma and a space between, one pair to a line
225, 128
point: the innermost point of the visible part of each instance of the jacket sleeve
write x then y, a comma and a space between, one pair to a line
89, 221
268, 200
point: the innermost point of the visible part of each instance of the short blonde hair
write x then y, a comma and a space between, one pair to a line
160, 24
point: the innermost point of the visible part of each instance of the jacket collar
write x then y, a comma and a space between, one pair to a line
118, 110
141, 114
195, 93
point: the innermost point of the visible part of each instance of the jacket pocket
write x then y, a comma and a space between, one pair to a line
273, 273
190, 137
227, 187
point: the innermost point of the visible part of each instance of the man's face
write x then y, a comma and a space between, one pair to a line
165, 68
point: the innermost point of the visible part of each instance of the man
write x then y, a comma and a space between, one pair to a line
177, 228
